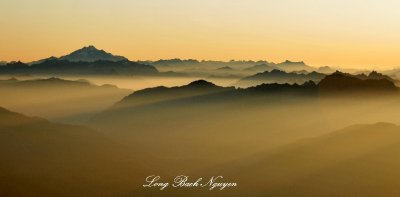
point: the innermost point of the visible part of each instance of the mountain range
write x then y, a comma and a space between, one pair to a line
86, 61
278, 76
360, 159
86, 54
344, 82
65, 67
287, 66
41, 158
157, 94
155, 100
92, 61
61, 98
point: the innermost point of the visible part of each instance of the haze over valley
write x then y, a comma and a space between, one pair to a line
276, 129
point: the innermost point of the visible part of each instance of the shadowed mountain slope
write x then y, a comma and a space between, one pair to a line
361, 159
336, 83
40, 158
342, 82
153, 95
61, 98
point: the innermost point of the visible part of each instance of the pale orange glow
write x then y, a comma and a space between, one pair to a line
358, 34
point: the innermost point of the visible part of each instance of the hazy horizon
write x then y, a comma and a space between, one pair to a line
357, 34
317, 117
377, 68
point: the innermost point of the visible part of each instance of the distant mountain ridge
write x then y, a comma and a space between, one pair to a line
344, 82
152, 95
91, 54
336, 83
279, 76
65, 67
60, 97
86, 54
287, 66
91, 61
293, 66
259, 66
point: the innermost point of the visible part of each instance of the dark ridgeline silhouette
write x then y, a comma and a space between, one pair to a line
203, 92
256, 66
85, 61
347, 83
85, 54
308, 88
199, 93
278, 76
337, 83
41, 158
157, 94
64, 67
375, 75
92, 61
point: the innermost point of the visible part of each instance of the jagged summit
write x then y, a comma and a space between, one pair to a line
90, 47
91, 54
376, 75
339, 81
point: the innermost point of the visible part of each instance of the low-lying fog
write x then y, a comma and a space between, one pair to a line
137, 82
201, 137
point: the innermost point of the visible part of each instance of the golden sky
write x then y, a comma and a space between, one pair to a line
347, 33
